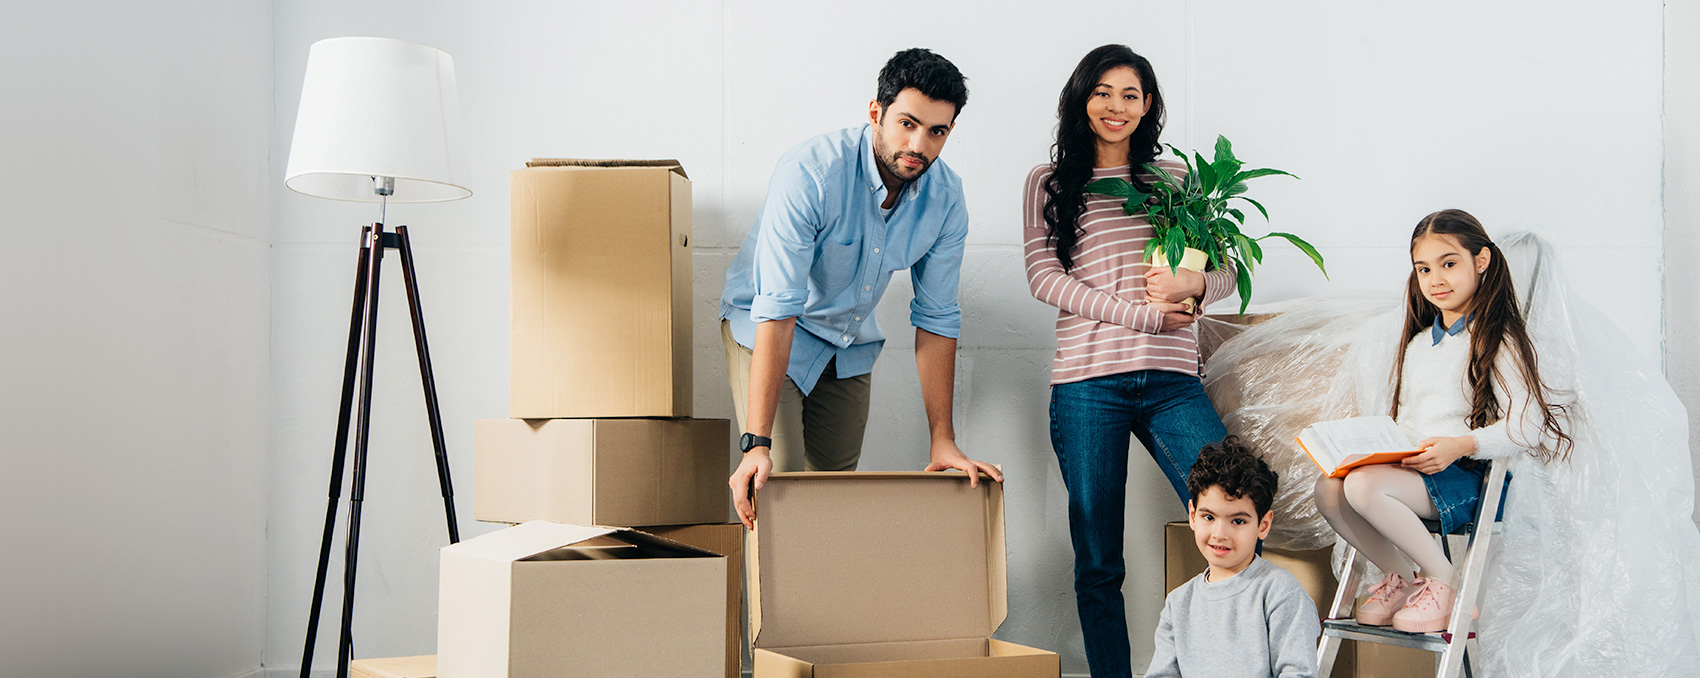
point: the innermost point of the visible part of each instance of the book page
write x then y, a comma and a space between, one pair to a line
1363, 436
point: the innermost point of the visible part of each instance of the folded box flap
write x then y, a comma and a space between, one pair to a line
843, 558
525, 540
670, 165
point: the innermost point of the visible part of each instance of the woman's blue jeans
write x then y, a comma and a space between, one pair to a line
1090, 423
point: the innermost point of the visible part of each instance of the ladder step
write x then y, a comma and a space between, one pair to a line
1350, 629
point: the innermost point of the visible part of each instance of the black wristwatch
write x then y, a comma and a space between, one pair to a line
750, 441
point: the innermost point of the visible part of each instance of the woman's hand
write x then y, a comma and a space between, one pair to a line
1439, 453
1161, 285
1175, 316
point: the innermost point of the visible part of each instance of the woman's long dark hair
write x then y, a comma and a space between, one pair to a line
1075, 152
1495, 320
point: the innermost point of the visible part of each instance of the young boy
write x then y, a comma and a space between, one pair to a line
1242, 616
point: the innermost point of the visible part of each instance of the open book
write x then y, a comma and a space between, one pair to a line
1340, 446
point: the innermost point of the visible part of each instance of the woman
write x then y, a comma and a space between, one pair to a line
1127, 360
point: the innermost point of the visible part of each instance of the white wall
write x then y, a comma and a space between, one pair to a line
1526, 114
136, 209
1682, 212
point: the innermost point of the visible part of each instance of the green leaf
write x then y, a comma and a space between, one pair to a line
1167, 176
1258, 205
1174, 247
1303, 246
1238, 216
1207, 174
1178, 152
1224, 149
1243, 276
1234, 188
1249, 248
1255, 173
1120, 188
1222, 228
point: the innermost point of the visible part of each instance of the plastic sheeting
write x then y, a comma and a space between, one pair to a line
1598, 570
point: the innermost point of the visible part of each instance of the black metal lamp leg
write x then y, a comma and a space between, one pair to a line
363, 429
430, 383
339, 458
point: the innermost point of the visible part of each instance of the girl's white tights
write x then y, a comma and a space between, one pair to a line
1379, 509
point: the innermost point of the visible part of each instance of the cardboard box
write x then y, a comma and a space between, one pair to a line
422, 666
1315, 572
621, 472
726, 540
601, 272
543, 600
894, 575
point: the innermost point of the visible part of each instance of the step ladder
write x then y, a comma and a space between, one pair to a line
1449, 644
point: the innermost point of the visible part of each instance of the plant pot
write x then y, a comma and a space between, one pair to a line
1192, 260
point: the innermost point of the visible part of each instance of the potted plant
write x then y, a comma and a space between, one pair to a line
1196, 227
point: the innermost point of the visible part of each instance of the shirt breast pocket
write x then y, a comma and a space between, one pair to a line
836, 265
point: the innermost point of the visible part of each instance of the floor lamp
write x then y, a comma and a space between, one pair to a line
375, 124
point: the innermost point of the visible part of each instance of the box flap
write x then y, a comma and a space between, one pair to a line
876, 557
525, 540
670, 165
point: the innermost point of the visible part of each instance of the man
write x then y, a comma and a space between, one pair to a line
844, 210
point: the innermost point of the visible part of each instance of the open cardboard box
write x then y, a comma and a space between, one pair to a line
541, 599
893, 575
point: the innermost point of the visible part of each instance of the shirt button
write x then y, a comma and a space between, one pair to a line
876, 250
847, 337
867, 287
858, 317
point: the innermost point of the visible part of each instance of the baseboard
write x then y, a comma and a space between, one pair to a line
256, 672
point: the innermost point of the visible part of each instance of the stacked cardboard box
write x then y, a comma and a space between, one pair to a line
601, 435
1315, 573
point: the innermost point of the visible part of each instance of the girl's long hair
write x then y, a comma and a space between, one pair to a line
1075, 152
1495, 320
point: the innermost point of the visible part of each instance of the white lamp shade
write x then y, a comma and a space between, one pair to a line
376, 107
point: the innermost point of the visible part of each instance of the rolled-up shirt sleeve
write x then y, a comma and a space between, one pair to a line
791, 221
937, 277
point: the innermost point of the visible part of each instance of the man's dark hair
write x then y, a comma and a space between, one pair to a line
1233, 467
923, 70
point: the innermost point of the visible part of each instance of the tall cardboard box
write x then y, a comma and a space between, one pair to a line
726, 540
623, 472
887, 575
601, 271
541, 600
1315, 572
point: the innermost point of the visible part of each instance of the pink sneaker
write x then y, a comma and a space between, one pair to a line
1428, 610
1384, 600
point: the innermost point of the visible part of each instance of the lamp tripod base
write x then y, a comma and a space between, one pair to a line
357, 379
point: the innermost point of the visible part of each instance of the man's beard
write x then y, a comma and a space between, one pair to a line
896, 169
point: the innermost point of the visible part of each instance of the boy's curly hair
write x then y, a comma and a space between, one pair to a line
1232, 466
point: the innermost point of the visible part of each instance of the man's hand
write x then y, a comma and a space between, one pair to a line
1175, 316
946, 455
750, 476
1161, 285
1439, 453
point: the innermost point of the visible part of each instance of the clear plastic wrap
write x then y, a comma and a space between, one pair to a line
1597, 572
1288, 371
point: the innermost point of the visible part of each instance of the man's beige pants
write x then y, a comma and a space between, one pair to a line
821, 431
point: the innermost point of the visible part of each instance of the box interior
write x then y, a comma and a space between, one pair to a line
860, 558
622, 545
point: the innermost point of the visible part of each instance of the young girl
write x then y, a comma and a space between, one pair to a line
1467, 383
1127, 360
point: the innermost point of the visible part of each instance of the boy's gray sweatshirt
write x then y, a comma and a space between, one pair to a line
1259, 622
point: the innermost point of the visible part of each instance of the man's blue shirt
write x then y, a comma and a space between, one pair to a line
822, 252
